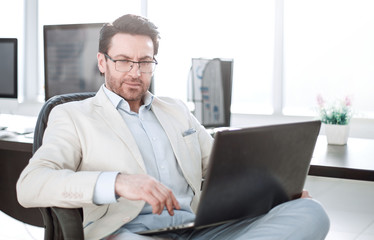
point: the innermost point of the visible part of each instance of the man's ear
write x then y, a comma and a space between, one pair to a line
101, 62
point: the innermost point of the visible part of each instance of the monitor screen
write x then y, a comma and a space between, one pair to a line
70, 62
8, 68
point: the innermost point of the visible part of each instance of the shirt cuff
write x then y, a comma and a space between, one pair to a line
104, 192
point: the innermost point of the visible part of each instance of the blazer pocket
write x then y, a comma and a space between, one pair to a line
189, 132
192, 145
190, 137
92, 214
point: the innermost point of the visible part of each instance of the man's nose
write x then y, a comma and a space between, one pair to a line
135, 70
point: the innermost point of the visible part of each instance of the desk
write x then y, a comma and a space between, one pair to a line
352, 161
15, 153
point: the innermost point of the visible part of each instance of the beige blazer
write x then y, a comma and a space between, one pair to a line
87, 137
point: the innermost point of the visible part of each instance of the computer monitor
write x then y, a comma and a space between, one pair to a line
70, 62
8, 68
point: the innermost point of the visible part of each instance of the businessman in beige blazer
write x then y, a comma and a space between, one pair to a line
135, 161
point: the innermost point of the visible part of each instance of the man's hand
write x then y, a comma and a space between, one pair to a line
305, 194
144, 187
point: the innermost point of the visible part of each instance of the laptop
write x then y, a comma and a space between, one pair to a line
252, 170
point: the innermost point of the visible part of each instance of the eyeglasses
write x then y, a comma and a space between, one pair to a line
127, 65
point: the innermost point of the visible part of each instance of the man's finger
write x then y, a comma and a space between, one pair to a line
155, 203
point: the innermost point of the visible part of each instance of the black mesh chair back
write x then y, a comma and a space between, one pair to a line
59, 223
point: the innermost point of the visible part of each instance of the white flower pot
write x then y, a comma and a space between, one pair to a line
337, 134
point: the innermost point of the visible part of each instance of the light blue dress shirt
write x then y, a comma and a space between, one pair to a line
160, 163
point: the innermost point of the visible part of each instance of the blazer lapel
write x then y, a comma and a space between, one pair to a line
105, 109
174, 135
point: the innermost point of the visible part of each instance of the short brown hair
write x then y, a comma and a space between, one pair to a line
131, 24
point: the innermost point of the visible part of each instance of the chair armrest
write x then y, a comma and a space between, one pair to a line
70, 222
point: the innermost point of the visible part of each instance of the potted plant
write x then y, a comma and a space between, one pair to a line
336, 117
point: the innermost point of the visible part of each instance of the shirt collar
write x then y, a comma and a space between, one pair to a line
117, 100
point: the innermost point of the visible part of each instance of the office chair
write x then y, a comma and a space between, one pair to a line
59, 223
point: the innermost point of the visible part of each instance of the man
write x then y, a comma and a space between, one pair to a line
131, 160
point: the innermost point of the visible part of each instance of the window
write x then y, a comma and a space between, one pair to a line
12, 26
289, 53
328, 50
84, 11
11, 19
240, 30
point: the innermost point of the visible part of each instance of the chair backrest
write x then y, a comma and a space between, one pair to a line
55, 219
42, 121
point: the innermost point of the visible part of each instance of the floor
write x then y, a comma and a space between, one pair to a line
349, 203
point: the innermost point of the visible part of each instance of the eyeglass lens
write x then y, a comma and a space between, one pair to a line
126, 66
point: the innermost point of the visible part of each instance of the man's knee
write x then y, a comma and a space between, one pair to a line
312, 215
311, 207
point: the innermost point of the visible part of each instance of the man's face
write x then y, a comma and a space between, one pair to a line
133, 84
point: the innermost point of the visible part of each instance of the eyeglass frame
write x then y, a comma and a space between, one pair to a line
132, 65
